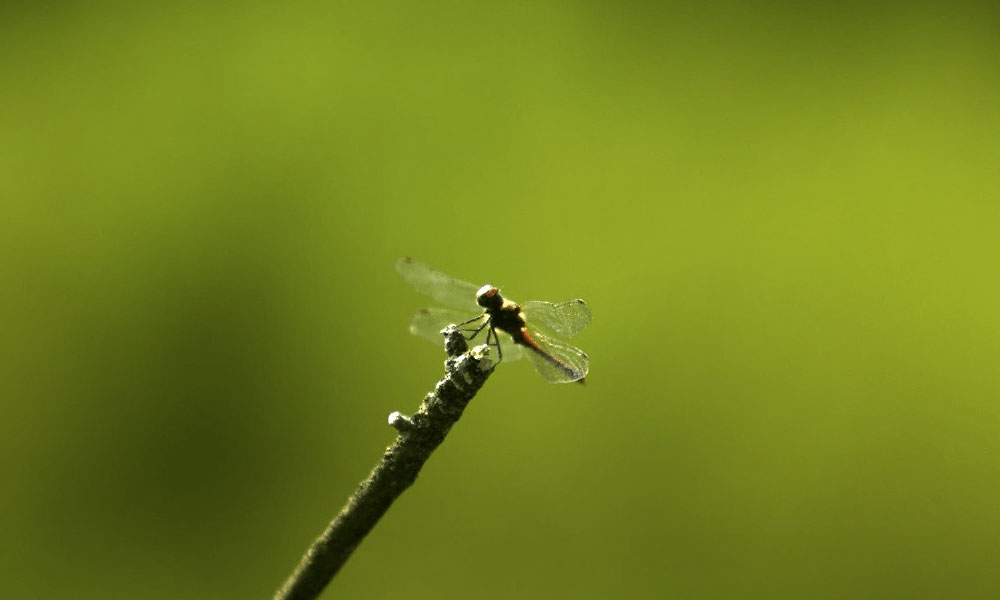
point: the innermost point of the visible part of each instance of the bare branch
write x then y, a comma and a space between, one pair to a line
465, 372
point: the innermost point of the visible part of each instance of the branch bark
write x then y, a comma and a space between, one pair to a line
465, 372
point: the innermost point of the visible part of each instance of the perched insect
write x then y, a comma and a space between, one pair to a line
555, 360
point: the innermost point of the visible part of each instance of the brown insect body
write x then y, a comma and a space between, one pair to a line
506, 316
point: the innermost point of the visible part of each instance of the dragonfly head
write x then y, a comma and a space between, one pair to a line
489, 297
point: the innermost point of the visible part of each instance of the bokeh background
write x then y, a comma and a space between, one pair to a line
784, 216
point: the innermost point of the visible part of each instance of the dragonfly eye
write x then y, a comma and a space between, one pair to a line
489, 297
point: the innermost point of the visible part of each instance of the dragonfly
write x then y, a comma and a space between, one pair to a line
531, 329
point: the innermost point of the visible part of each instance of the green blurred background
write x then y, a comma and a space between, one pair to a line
785, 218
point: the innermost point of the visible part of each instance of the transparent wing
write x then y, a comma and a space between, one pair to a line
428, 323
444, 288
566, 319
560, 362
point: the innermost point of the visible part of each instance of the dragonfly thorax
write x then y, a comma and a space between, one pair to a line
489, 297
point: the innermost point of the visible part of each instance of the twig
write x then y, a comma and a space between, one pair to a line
465, 372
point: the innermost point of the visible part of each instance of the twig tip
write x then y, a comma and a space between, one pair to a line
400, 422
481, 354
455, 343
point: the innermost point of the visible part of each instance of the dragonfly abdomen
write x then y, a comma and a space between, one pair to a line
524, 338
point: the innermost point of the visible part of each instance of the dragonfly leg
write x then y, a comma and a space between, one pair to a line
496, 339
475, 318
492, 333
480, 328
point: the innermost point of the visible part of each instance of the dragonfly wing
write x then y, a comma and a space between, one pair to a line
566, 319
428, 323
510, 350
560, 362
442, 287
